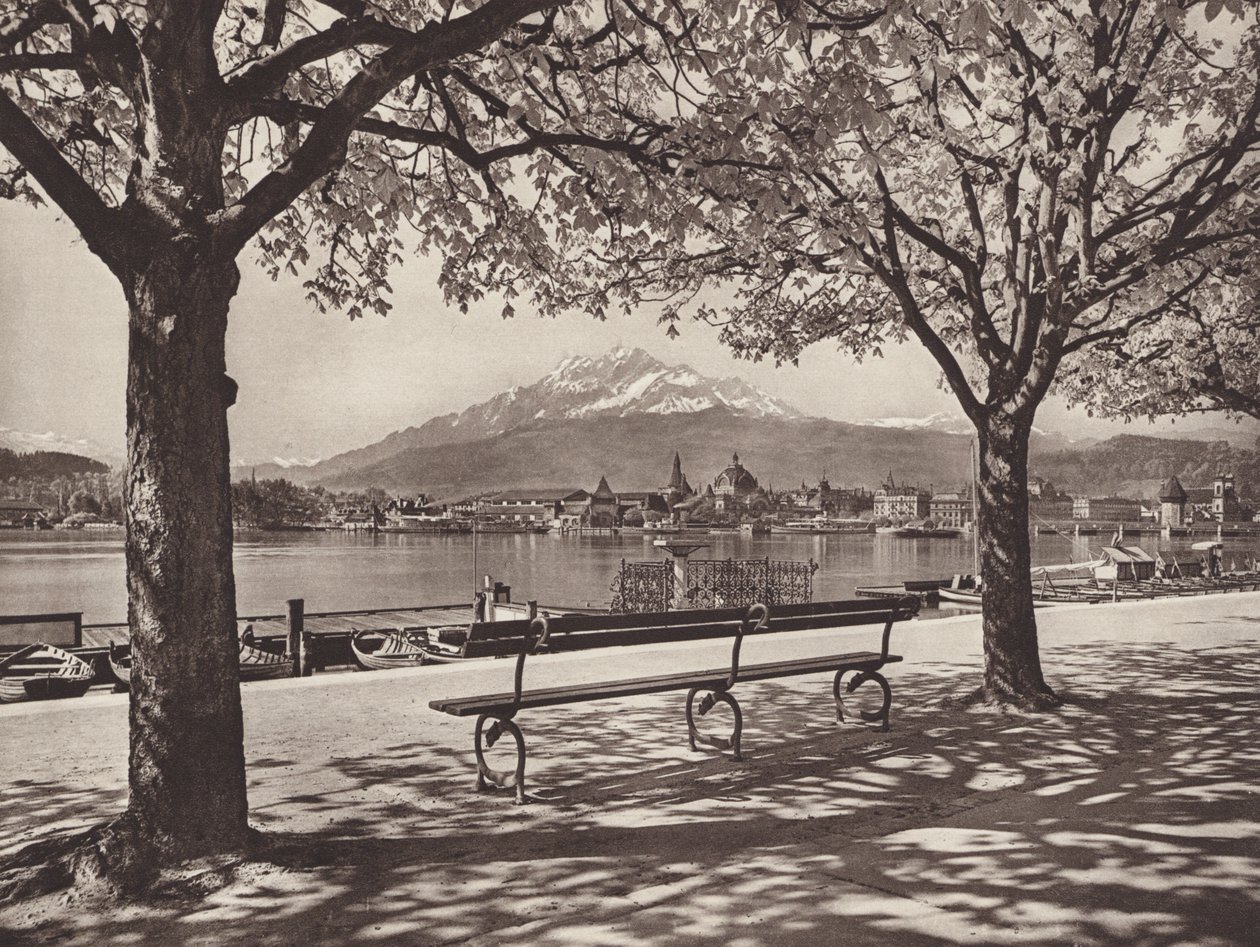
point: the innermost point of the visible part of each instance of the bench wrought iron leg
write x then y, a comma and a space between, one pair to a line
706, 704
504, 779
860, 678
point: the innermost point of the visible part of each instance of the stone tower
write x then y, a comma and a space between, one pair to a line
1172, 503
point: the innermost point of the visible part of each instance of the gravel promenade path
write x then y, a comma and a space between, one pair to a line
1132, 816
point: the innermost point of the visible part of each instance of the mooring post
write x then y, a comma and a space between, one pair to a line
531, 609
297, 640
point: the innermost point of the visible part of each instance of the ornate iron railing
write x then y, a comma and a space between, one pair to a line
643, 587
712, 583
728, 583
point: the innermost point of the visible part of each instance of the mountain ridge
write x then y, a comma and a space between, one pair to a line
624, 413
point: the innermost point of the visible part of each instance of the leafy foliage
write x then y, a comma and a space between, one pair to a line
1201, 354
1010, 183
273, 504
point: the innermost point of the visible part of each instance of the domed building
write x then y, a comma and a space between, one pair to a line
734, 485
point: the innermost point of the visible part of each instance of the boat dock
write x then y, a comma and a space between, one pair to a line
328, 626
926, 591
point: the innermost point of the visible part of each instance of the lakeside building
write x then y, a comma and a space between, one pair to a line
677, 488
664, 502
1107, 509
1218, 503
735, 486
893, 501
603, 506
1225, 505
1047, 502
823, 498
1172, 502
1060, 507
22, 514
643, 501
558, 501
953, 510
523, 513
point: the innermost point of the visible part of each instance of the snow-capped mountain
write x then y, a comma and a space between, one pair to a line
625, 383
22, 442
621, 383
943, 422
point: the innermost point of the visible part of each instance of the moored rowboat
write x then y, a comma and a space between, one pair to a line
394, 649
43, 672
120, 665
259, 664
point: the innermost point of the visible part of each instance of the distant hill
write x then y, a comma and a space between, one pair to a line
46, 465
23, 442
1135, 465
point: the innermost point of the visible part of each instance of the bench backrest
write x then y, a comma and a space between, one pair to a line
582, 632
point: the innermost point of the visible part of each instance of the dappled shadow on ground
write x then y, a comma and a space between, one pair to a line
1132, 815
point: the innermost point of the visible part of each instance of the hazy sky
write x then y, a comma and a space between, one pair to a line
312, 385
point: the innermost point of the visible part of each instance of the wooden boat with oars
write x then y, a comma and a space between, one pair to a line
43, 672
257, 663
120, 665
383, 650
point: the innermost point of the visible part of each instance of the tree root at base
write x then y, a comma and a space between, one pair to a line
118, 859
985, 697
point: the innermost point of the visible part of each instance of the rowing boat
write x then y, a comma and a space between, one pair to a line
393, 649
260, 664
43, 672
120, 665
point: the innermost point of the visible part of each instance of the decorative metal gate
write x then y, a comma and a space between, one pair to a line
728, 583
643, 587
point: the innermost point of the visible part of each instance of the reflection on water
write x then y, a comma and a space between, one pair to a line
54, 571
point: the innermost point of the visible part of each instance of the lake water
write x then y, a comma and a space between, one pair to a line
84, 572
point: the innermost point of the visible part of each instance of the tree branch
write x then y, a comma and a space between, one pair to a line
269, 74
18, 62
284, 111
96, 221
325, 145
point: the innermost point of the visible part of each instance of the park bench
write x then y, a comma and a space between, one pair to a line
581, 632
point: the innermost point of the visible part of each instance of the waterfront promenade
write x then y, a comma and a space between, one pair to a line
1131, 817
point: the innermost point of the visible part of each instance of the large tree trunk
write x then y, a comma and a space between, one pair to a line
1012, 662
187, 767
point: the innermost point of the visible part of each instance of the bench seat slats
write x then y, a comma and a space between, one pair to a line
552, 696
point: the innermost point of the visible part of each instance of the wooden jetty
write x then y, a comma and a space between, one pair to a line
926, 591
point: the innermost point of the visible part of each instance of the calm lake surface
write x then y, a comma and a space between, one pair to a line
80, 571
